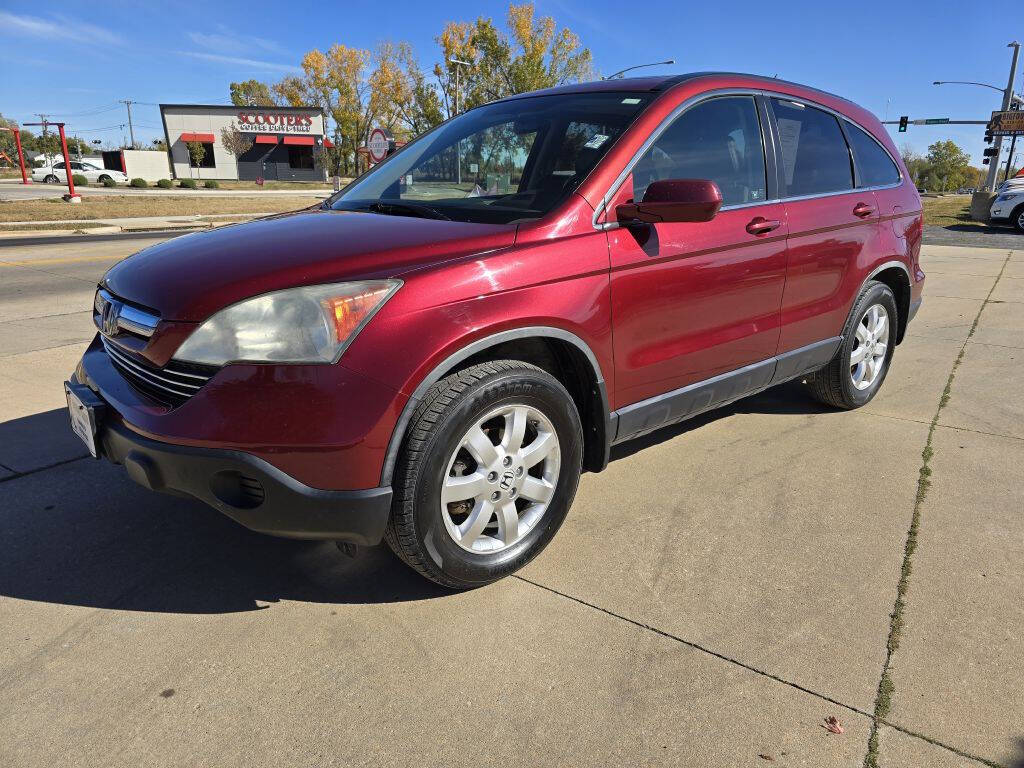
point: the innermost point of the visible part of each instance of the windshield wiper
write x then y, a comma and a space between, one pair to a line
405, 209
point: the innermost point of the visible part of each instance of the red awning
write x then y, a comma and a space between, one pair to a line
264, 139
205, 138
328, 143
306, 141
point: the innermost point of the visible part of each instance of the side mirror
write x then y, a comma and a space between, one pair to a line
673, 200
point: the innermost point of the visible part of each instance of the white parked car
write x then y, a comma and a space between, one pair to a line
56, 173
1008, 207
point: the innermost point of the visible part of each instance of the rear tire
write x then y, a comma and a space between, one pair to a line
51, 179
517, 501
859, 367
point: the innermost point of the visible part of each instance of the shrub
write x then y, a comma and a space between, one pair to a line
211, 184
79, 179
137, 182
109, 182
164, 184
187, 184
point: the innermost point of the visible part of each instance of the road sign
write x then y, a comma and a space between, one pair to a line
380, 144
1007, 123
936, 121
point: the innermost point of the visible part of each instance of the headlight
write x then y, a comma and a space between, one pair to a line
312, 324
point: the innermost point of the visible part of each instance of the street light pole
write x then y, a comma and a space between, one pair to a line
993, 167
638, 66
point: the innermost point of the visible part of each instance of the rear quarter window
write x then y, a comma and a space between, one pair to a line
874, 166
815, 156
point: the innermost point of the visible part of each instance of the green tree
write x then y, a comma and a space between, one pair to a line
196, 153
251, 93
947, 166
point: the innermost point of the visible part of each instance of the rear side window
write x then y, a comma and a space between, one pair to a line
874, 166
815, 157
718, 139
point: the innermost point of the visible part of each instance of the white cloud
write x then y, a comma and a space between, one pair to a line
225, 41
58, 28
242, 62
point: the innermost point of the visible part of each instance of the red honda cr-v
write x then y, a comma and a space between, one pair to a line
434, 355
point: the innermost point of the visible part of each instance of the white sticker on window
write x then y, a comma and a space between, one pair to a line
631, 101
596, 141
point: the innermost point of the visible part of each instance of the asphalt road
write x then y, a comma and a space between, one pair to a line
713, 596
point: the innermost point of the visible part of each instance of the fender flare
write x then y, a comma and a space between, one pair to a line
473, 348
904, 321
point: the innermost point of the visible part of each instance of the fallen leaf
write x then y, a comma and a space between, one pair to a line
832, 725
769, 758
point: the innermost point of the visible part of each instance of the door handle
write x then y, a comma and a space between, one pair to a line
863, 210
759, 225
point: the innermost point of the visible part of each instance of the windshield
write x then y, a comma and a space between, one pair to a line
500, 163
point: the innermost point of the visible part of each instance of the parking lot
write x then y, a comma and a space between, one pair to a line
714, 595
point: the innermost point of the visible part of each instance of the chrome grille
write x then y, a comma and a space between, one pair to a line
173, 384
113, 316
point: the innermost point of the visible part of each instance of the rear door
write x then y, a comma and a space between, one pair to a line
694, 300
833, 226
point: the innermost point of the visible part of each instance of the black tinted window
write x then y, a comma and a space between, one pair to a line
719, 139
815, 158
874, 166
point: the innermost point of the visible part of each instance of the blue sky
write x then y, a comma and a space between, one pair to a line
75, 60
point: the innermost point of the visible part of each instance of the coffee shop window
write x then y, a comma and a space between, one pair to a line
207, 161
300, 157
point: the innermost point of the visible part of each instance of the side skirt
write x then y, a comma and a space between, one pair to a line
689, 401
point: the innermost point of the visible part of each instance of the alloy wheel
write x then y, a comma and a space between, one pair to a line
500, 479
872, 342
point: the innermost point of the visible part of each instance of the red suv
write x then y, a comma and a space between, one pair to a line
433, 355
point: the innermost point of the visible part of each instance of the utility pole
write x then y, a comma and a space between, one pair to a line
458, 152
46, 152
131, 130
993, 168
1009, 160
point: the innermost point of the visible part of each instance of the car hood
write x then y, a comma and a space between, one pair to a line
189, 278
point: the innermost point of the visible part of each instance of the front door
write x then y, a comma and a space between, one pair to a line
691, 301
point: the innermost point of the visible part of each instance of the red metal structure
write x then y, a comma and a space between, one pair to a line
72, 197
21, 156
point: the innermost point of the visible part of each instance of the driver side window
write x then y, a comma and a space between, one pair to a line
718, 139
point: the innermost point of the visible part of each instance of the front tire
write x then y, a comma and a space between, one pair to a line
859, 367
1017, 217
487, 473
51, 179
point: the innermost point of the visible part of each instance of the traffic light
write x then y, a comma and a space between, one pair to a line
903, 123
984, 161
988, 137
990, 152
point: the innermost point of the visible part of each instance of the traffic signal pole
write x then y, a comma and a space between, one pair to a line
993, 168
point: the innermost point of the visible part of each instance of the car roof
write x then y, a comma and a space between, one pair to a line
656, 84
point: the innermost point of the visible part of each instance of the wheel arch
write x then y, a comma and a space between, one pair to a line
896, 276
558, 351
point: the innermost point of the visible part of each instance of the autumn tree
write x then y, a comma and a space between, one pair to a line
196, 153
338, 83
235, 142
532, 53
251, 93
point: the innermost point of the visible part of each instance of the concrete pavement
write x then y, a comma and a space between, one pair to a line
713, 596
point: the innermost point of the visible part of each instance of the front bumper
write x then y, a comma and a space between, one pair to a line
246, 488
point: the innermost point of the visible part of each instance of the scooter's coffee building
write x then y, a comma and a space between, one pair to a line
287, 142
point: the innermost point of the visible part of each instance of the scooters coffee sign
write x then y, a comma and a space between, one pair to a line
274, 122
